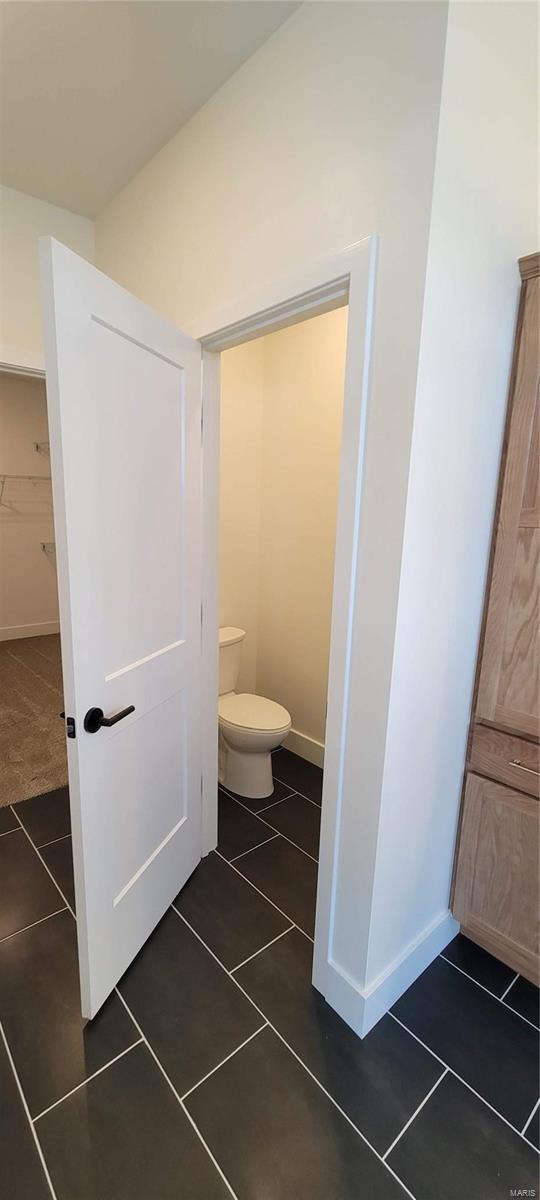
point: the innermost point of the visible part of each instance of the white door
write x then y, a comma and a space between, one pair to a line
124, 400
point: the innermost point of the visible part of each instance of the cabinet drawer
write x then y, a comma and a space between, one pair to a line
496, 882
510, 760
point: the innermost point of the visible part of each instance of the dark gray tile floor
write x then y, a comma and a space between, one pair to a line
523, 998
8, 820
217, 1070
59, 859
27, 892
46, 817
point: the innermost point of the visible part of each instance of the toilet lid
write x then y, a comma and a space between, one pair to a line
253, 712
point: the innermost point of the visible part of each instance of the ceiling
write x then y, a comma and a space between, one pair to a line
90, 90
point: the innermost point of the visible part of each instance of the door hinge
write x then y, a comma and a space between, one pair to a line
202, 422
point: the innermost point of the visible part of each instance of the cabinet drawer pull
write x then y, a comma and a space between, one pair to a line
515, 762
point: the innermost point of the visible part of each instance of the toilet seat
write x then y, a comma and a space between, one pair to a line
254, 714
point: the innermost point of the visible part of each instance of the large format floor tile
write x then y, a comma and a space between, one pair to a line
59, 859
458, 1149
287, 877
532, 1132
238, 830
8, 820
53, 1048
21, 1172
46, 817
300, 775
26, 891
484, 1042
276, 1135
487, 970
524, 997
191, 1012
299, 820
124, 1137
379, 1082
227, 913
279, 793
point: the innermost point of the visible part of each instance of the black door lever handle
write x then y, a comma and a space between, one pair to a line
94, 718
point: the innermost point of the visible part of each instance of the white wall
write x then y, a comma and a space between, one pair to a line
28, 589
281, 409
23, 219
327, 134
484, 218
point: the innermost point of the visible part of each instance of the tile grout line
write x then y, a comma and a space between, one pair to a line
268, 944
84, 1082
415, 1114
27, 1111
7, 832
297, 793
53, 841
32, 923
257, 847
295, 1055
499, 999
461, 1080
267, 898
223, 1061
42, 860
185, 1110
510, 985
529, 1119
273, 804
269, 826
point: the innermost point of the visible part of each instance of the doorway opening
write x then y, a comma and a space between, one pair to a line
280, 440
32, 749
342, 901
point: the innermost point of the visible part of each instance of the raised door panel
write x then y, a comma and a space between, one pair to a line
496, 884
518, 687
509, 685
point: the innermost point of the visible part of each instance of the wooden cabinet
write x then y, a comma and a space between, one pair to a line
508, 690
495, 893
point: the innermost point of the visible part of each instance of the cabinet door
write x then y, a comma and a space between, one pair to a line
496, 884
509, 684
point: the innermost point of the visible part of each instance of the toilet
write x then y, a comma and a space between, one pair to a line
250, 727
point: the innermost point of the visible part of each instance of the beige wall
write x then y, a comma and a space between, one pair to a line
280, 438
23, 220
242, 377
28, 589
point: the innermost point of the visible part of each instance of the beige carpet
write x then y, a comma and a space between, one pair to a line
32, 736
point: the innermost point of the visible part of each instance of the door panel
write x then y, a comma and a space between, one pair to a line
519, 682
508, 692
496, 884
124, 395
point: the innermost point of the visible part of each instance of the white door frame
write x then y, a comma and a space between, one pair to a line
347, 277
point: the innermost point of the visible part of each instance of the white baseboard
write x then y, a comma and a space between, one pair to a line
307, 747
9, 632
360, 1007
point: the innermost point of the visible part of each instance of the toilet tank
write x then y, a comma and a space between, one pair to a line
230, 649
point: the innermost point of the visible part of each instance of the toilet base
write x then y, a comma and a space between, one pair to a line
246, 774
